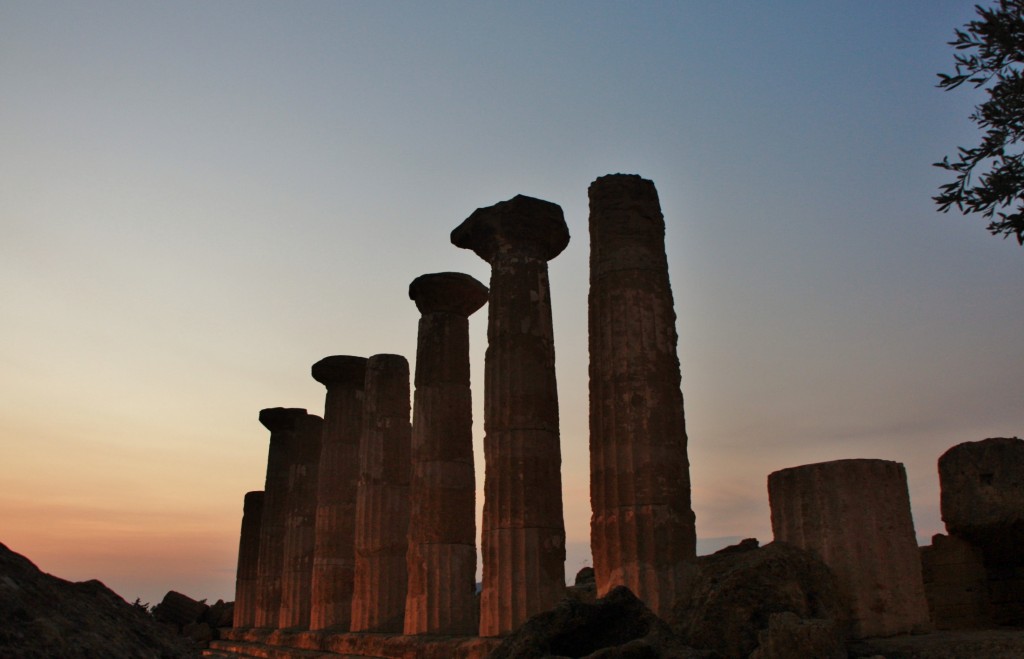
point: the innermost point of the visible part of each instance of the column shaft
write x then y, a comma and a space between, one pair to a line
855, 516
642, 530
300, 526
441, 596
382, 500
523, 539
248, 561
282, 423
334, 545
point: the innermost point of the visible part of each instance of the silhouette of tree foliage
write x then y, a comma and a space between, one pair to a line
989, 178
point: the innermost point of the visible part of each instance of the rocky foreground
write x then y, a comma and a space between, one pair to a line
43, 617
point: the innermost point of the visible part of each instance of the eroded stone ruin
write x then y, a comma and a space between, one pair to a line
363, 541
523, 538
382, 498
338, 477
441, 597
643, 532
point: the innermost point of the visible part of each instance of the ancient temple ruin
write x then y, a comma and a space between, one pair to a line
363, 541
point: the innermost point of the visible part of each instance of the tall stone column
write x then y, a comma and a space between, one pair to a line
382, 504
523, 539
855, 516
441, 596
284, 425
246, 574
642, 531
334, 547
300, 525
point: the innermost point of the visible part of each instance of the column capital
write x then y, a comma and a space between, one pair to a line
277, 419
340, 370
522, 226
447, 292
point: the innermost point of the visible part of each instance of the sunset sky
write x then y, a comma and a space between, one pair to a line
199, 200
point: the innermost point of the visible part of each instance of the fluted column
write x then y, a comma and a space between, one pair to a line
855, 516
523, 539
334, 547
300, 525
441, 596
284, 425
246, 574
382, 503
642, 530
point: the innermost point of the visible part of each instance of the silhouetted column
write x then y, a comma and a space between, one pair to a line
523, 539
300, 525
441, 595
642, 531
284, 425
248, 561
382, 506
334, 549
855, 516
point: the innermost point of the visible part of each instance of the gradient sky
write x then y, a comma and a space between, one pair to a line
198, 200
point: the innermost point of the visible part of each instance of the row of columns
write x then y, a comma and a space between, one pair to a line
367, 521
393, 533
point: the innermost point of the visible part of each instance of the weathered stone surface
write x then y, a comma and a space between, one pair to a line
179, 610
382, 500
789, 636
855, 516
982, 486
219, 614
617, 625
955, 583
338, 475
248, 560
988, 644
441, 597
284, 425
300, 525
42, 616
584, 587
642, 528
523, 538
736, 592
285, 645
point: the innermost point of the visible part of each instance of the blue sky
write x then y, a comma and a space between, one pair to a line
200, 200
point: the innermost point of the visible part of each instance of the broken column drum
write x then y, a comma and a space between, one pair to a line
642, 529
244, 615
382, 502
523, 537
982, 485
441, 596
334, 548
855, 516
300, 525
284, 425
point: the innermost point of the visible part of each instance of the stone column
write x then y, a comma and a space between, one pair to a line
642, 531
855, 516
300, 525
248, 561
441, 596
982, 485
382, 504
523, 537
334, 548
283, 424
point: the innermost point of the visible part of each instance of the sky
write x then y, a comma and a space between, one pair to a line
199, 200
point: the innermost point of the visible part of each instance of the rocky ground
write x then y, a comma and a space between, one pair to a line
42, 617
